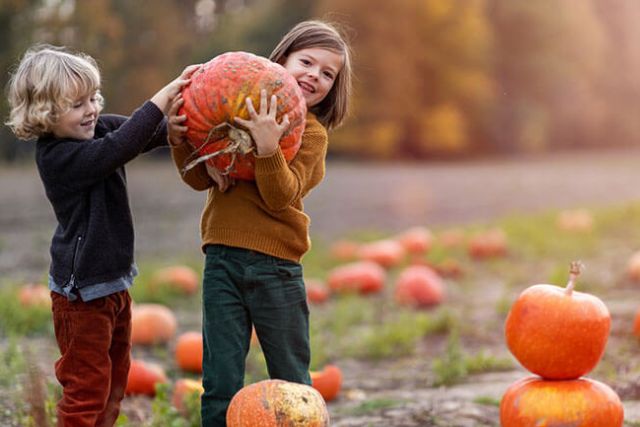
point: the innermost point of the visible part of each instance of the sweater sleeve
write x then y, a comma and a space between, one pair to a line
281, 184
197, 177
79, 164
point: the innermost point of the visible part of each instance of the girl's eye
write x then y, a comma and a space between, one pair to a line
305, 61
328, 75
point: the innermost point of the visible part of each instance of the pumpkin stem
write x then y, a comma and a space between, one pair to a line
241, 142
574, 271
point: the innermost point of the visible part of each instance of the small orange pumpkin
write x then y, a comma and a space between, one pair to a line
344, 250
317, 291
328, 381
178, 277
419, 286
143, 377
633, 267
582, 402
416, 240
277, 403
152, 324
182, 390
189, 351
558, 333
488, 244
34, 295
387, 253
361, 276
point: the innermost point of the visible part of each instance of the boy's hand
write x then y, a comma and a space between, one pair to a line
264, 128
224, 182
175, 128
165, 95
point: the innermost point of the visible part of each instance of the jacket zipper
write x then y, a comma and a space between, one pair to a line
72, 280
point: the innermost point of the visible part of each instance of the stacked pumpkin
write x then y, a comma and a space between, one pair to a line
559, 335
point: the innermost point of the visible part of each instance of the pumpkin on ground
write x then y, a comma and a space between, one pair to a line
575, 220
344, 250
581, 402
217, 94
361, 276
143, 377
488, 244
189, 350
152, 324
416, 240
34, 295
419, 286
636, 324
328, 381
277, 403
387, 253
558, 333
184, 389
317, 291
178, 277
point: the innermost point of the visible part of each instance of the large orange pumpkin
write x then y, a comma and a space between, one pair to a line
189, 351
217, 95
558, 333
277, 403
143, 377
328, 381
152, 324
582, 402
419, 286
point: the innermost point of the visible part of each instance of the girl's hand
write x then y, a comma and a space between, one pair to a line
175, 128
165, 95
264, 128
224, 182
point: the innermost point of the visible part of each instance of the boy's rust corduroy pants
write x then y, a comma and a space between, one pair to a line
95, 343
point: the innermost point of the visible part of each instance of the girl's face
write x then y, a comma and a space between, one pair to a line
315, 69
80, 121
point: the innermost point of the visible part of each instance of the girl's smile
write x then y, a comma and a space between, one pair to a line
315, 69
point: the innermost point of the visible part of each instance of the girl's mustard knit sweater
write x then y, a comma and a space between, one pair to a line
266, 215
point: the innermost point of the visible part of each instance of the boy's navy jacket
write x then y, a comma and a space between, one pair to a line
86, 184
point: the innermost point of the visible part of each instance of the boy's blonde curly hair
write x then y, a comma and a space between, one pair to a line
46, 83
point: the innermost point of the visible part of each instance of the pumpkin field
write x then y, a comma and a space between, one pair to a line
413, 274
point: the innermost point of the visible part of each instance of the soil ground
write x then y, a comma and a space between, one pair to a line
352, 198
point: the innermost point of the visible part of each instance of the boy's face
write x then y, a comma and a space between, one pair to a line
315, 69
80, 121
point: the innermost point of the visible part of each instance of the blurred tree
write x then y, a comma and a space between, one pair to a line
420, 66
550, 58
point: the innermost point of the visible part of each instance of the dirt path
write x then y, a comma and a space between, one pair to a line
386, 197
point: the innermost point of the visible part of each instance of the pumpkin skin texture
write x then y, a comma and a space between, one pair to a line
277, 403
557, 333
189, 350
328, 381
217, 94
534, 402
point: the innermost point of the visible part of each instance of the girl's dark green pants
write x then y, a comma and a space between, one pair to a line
242, 288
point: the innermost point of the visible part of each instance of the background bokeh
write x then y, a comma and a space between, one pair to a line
434, 78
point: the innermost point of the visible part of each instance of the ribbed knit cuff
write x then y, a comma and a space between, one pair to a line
271, 164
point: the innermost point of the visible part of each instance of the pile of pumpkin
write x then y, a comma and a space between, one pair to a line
559, 335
